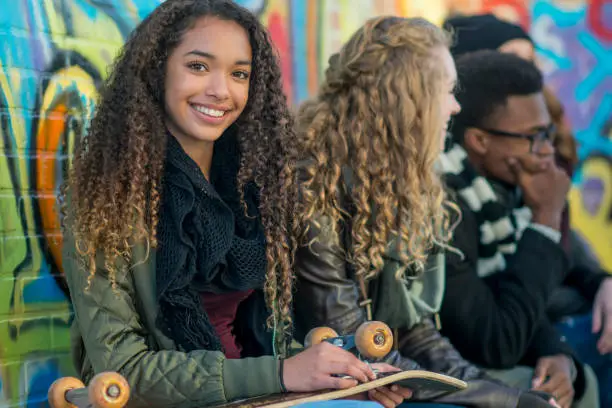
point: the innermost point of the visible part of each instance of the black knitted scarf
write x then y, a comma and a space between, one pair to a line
206, 242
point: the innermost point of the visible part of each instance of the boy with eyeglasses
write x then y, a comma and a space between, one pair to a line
500, 169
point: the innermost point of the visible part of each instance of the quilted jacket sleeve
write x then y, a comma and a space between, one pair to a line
115, 339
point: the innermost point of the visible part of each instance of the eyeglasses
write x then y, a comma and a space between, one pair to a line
537, 140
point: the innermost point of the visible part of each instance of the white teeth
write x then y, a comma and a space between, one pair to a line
210, 112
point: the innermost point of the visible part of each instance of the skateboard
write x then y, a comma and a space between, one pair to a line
110, 390
371, 341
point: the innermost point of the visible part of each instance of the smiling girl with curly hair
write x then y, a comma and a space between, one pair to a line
178, 218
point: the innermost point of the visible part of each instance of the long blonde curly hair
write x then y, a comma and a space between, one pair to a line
378, 115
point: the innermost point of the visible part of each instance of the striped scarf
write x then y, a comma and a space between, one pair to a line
500, 228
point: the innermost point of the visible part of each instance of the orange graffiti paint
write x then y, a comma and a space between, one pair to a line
52, 127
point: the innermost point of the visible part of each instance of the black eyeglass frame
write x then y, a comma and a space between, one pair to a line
542, 135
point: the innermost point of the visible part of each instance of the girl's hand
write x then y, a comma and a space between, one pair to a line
392, 395
314, 368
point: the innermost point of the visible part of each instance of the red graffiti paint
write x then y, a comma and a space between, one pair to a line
519, 8
595, 20
280, 38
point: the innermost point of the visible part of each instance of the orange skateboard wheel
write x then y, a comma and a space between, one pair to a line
59, 388
109, 390
374, 339
319, 335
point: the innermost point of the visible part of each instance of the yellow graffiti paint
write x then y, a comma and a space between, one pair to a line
593, 219
98, 39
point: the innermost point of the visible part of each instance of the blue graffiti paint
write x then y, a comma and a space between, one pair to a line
45, 373
44, 289
602, 69
299, 30
256, 6
591, 139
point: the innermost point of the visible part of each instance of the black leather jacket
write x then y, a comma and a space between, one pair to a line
327, 295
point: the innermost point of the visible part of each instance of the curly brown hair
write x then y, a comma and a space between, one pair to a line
378, 114
115, 182
565, 143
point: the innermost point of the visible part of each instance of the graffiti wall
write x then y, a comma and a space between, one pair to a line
575, 47
54, 53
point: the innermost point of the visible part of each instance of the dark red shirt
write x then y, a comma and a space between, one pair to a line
221, 310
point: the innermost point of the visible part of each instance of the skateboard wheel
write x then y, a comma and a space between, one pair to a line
108, 390
319, 335
59, 388
374, 340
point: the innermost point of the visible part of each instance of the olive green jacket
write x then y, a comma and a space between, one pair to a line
114, 330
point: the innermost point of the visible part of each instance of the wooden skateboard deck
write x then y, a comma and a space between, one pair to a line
110, 390
413, 379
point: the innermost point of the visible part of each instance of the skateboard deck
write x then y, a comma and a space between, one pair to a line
413, 379
110, 390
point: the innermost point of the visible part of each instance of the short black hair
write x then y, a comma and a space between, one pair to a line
486, 79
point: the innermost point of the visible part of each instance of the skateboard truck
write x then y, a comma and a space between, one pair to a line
106, 390
371, 341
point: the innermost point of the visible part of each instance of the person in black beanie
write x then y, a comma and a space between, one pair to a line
487, 32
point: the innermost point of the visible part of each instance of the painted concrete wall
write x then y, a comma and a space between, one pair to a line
53, 54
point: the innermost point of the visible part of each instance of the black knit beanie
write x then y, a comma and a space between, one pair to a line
481, 32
